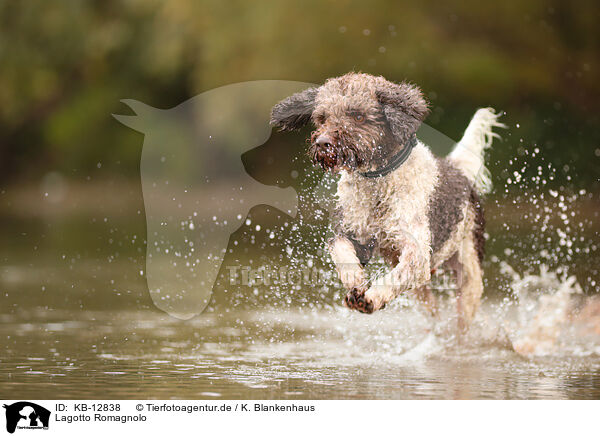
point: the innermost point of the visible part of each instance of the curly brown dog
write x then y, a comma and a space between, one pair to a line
394, 196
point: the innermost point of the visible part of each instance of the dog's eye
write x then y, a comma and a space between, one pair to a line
320, 119
359, 118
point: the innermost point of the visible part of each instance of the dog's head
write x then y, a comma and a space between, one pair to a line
360, 120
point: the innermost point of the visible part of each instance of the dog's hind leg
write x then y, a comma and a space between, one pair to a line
424, 296
470, 282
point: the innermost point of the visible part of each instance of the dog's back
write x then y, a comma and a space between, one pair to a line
465, 253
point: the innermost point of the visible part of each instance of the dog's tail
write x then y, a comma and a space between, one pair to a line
468, 155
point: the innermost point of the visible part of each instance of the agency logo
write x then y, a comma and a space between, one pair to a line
196, 189
26, 415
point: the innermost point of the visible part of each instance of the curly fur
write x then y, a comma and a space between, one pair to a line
424, 214
295, 111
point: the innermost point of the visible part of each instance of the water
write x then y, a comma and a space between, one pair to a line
277, 354
77, 321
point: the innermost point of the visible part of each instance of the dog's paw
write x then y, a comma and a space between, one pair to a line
355, 299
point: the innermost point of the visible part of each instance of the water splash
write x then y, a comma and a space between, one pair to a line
531, 305
544, 303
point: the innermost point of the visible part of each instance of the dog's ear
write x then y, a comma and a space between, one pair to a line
295, 111
404, 107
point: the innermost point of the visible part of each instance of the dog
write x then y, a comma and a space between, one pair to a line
418, 211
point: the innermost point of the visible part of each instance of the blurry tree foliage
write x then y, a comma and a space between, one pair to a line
66, 64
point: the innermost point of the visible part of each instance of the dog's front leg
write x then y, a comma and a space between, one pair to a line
347, 263
412, 271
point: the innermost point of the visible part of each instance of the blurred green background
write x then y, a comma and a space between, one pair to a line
71, 206
66, 65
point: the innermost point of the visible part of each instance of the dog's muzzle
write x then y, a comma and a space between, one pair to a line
328, 152
324, 152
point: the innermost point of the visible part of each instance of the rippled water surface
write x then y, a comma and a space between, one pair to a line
77, 320
323, 354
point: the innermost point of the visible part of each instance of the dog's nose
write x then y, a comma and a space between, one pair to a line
324, 140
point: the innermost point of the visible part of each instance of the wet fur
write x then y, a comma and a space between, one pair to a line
424, 214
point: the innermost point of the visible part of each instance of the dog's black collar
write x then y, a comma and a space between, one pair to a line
395, 162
